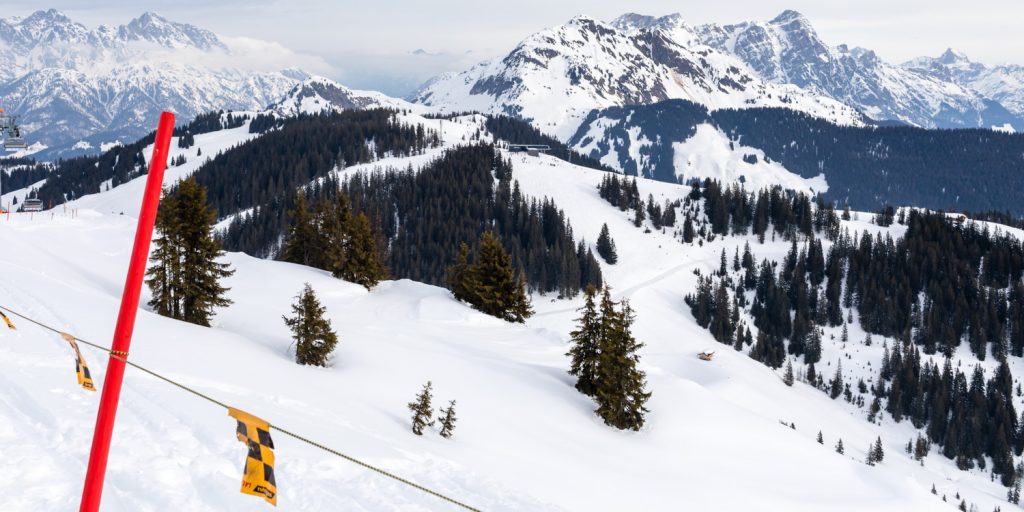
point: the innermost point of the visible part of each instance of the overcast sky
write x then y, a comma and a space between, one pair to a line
368, 44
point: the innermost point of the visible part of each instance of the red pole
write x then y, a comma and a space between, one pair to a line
126, 319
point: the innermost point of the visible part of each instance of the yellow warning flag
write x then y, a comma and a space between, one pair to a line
81, 369
7, 321
258, 479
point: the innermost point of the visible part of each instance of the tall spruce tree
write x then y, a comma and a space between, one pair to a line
184, 274
620, 392
835, 387
422, 411
448, 420
490, 284
335, 225
459, 276
364, 262
606, 246
876, 451
300, 243
586, 342
314, 338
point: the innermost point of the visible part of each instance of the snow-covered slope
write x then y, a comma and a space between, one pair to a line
787, 49
71, 83
526, 440
556, 76
710, 154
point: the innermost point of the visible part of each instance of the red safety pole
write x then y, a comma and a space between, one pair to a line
126, 319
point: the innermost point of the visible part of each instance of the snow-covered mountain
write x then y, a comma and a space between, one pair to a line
1004, 83
787, 49
556, 76
70, 83
318, 94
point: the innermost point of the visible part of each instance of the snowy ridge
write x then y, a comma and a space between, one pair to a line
1004, 83
318, 94
787, 49
555, 77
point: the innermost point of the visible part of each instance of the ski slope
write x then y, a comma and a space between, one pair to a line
526, 440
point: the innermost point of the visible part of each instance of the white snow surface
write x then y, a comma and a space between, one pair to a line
709, 154
526, 440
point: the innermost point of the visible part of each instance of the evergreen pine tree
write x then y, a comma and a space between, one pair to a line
620, 389
184, 274
314, 338
606, 246
490, 284
300, 243
364, 263
586, 340
788, 377
836, 385
921, 447
839, 447
638, 214
688, 232
459, 278
879, 454
448, 420
334, 224
813, 349
422, 412
821, 439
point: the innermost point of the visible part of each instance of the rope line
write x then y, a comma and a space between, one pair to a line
114, 355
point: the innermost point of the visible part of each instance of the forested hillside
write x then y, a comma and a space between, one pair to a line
425, 214
943, 283
956, 170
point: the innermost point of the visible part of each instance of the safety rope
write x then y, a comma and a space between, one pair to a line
222, 404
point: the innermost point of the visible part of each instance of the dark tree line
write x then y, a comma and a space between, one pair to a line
425, 215
623, 194
867, 167
75, 177
305, 148
731, 209
942, 282
970, 279
969, 416
330, 236
19, 176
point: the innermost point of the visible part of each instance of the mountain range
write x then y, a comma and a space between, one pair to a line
77, 88
557, 76
637, 59
787, 49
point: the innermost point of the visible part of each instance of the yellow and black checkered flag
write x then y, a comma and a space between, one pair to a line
258, 479
7, 321
81, 369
